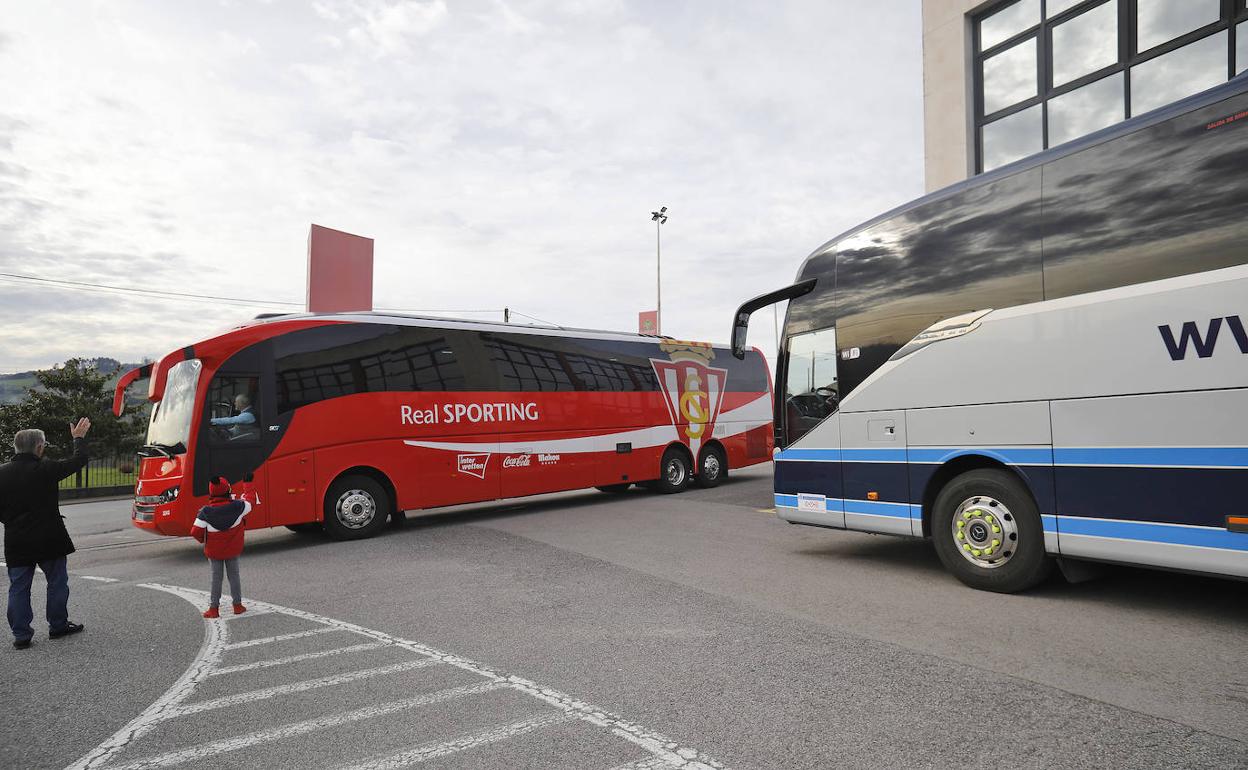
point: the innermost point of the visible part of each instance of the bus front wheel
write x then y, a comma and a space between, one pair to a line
988, 532
356, 507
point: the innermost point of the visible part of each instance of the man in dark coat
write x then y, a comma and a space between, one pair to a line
34, 530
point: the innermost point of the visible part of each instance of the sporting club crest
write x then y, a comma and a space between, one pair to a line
693, 391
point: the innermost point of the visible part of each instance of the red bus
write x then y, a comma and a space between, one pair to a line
345, 420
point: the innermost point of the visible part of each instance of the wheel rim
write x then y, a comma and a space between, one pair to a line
675, 472
711, 466
985, 532
355, 509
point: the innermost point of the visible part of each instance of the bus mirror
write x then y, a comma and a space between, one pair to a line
128, 379
741, 322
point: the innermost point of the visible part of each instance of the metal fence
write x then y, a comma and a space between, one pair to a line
104, 475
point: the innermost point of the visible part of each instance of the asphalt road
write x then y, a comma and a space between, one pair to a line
591, 631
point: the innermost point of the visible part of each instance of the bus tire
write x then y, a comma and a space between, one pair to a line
305, 529
712, 467
988, 533
356, 507
674, 471
615, 489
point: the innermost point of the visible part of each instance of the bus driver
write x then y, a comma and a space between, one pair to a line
241, 424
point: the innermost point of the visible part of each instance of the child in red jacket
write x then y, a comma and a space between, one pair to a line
220, 527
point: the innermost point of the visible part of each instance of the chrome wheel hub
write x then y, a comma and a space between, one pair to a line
711, 466
355, 508
985, 532
675, 472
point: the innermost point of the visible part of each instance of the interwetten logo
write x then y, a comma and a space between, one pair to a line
474, 464
694, 391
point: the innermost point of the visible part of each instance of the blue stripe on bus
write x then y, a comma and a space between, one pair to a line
871, 507
1049, 522
1007, 455
810, 455
1155, 457
1172, 534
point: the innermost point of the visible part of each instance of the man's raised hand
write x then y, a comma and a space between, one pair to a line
80, 429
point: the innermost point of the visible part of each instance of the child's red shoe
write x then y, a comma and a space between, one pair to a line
239, 609
212, 612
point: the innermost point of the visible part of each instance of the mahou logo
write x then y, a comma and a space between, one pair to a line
694, 391
474, 464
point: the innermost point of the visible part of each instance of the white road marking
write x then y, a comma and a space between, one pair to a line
435, 750
651, 763
209, 653
295, 658
100, 579
304, 686
251, 612
666, 754
278, 638
213, 748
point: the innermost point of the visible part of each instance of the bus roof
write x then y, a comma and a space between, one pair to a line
404, 319
1233, 87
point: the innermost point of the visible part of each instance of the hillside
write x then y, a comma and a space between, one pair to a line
13, 387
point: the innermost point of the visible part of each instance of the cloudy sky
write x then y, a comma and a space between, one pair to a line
501, 153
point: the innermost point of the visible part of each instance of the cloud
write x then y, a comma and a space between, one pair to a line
500, 153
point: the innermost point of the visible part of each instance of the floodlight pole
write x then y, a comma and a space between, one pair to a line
659, 217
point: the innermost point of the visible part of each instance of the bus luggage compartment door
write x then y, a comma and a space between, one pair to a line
291, 495
873, 461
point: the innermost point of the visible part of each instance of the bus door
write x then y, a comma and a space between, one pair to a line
233, 439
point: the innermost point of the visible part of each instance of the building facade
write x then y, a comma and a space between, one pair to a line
1007, 78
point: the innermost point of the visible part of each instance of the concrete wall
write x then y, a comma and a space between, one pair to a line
947, 91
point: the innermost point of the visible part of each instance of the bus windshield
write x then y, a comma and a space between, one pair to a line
170, 425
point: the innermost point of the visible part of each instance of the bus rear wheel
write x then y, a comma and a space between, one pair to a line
988, 532
356, 507
673, 472
712, 467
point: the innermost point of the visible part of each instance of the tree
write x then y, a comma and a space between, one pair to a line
65, 393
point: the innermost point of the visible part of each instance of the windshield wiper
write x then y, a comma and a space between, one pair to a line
164, 449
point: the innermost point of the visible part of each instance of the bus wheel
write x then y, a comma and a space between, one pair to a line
673, 472
988, 532
712, 468
305, 529
355, 507
615, 489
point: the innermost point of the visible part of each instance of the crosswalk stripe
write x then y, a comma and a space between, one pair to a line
650, 763
295, 658
278, 638
436, 750
213, 748
304, 686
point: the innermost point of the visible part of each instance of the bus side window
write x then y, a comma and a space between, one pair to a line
811, 392
233, 411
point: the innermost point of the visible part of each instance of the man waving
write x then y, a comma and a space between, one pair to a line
34, 530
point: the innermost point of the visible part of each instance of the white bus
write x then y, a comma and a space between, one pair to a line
1099, 412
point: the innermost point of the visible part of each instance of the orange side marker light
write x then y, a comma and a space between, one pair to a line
1237, 523
873, 495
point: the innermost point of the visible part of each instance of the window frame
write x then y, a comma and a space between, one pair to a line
1232, 12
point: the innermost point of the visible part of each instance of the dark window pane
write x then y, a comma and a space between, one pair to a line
1010, 76
1010, 138
1150, 205
1168, 78
1085, 44
1086, 109
978, 248
1008, 22
1163, 20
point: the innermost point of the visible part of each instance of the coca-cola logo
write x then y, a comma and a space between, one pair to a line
518, 461
474, 464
